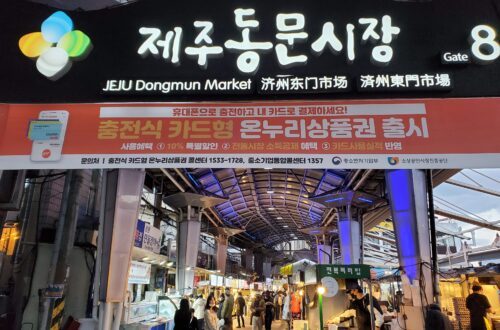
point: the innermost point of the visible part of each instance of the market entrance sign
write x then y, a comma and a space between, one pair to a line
431, 133
153, 50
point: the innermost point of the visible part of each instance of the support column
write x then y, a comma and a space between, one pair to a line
408, 200
221, 256
266, 267
119, 214
259, 264
349, 234
188, 241
248, 258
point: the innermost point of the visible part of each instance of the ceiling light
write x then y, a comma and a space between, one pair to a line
270, 191
268, 168
279, 218
145, 259
170, 264
271, 209
285, 226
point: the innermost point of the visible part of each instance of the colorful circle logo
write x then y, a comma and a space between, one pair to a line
393, 160
46, 153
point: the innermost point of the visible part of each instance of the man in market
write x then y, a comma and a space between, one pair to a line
227, 310
478, 306
199, 311
359, 308
240, 309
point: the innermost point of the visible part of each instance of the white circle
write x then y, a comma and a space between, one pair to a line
331, 286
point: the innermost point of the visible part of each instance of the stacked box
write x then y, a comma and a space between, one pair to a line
462, 313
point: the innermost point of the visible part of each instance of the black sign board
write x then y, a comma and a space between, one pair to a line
156, 50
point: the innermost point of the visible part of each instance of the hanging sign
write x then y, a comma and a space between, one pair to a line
139, 273
147, 237
343, 271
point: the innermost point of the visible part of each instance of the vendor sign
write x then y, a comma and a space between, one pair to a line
147, 237
139, 273
379, 134
343, 271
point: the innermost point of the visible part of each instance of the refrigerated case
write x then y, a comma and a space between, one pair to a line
167, 305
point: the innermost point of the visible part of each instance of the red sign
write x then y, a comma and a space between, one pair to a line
430, 133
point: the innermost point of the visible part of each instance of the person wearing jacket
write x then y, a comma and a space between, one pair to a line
359, 308
199, 310
210, 315
240, 310
227, 310
182, 317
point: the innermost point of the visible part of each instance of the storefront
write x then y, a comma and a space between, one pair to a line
288, 84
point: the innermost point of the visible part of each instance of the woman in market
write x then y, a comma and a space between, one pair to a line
182, 317
210, 319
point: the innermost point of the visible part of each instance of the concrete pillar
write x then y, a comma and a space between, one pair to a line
221, 255
118, 221
188, 239
266, 267
350, 241
408, 200
259, 264
247, 260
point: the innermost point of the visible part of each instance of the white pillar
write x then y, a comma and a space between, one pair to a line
188, 240
221, 257
349, 234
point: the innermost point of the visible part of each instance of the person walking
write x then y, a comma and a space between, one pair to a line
479, 307
269, 310
286, 315
199, 311
277, 307
210, 315
257, 309
240, 310
227, 310
182, 317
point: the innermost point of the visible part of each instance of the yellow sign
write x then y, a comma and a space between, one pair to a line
10, 235
286, 270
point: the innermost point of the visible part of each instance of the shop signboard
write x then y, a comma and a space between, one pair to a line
220, 281
380, 134
213, 280
147, 237
343, 271
139, 273
155, 50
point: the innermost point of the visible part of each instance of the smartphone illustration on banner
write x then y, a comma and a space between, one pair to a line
48, 134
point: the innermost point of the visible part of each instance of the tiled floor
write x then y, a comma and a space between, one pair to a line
277, 325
